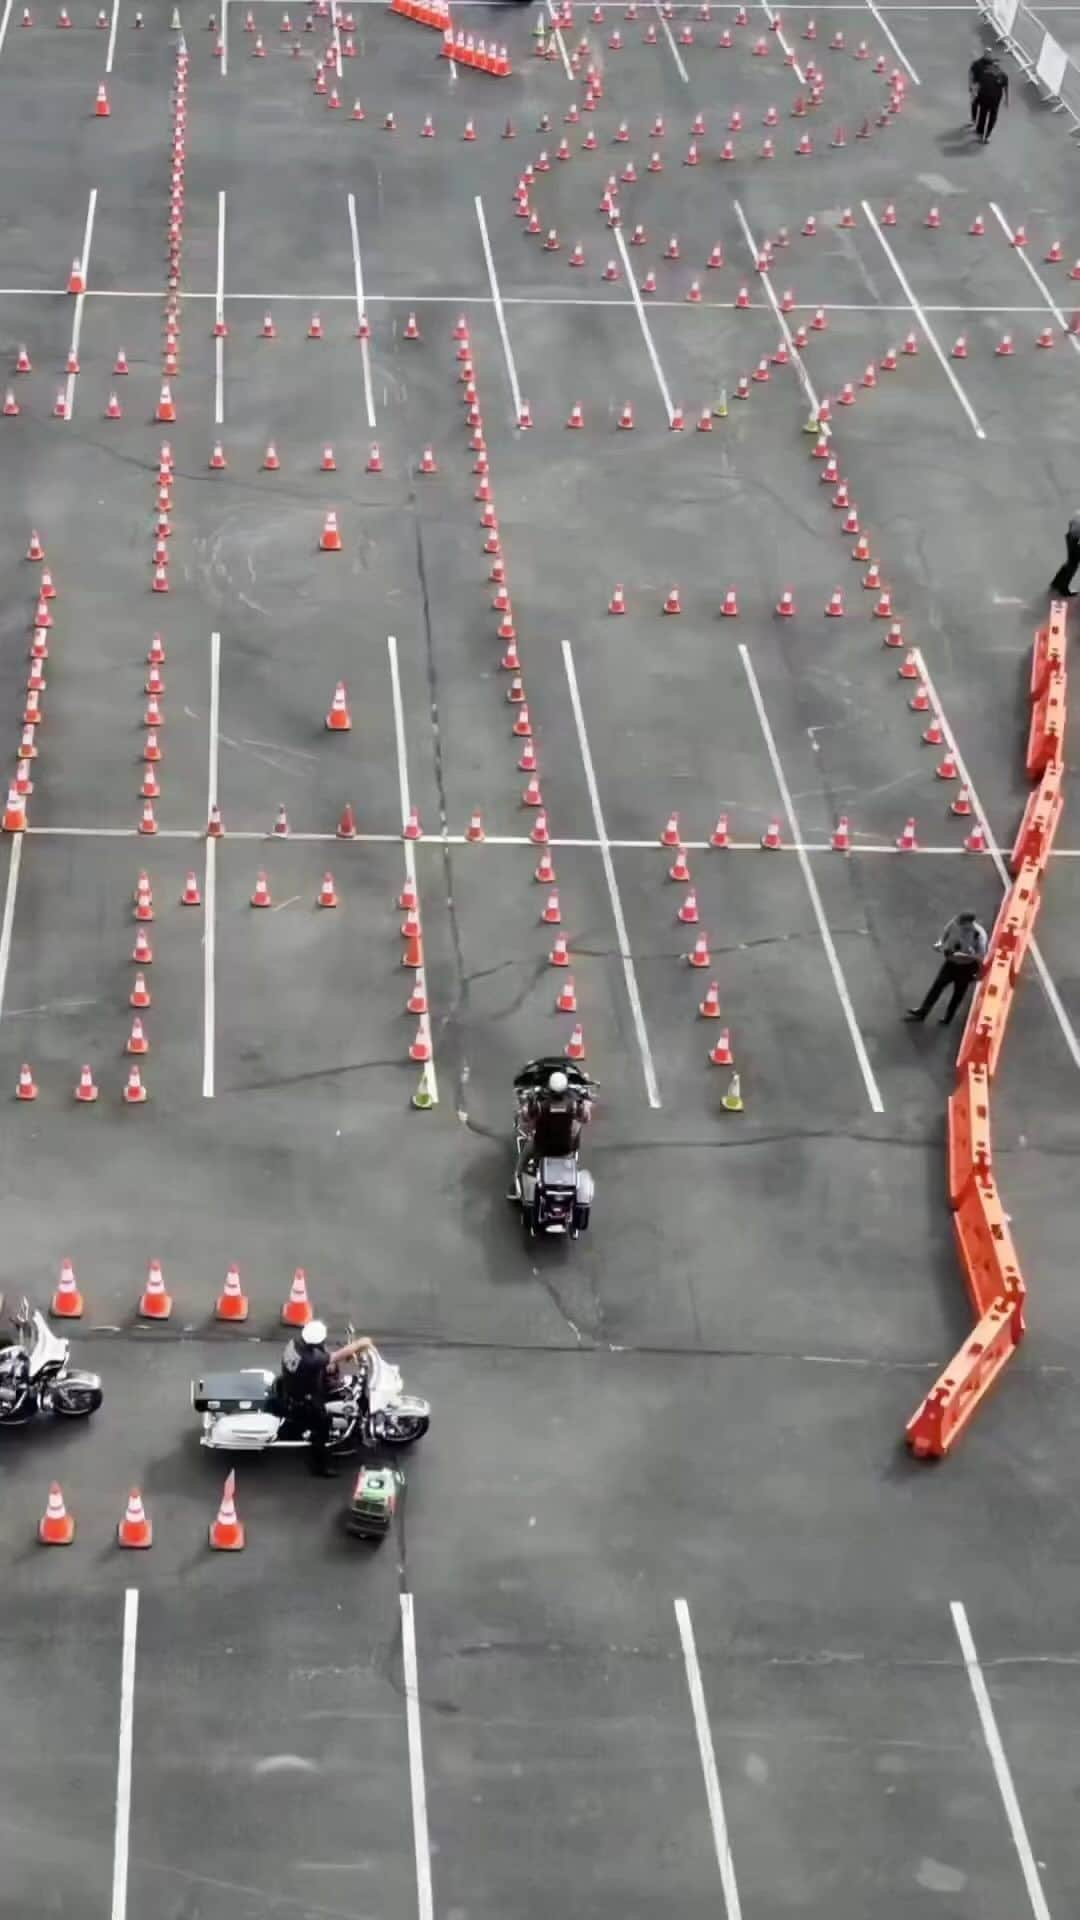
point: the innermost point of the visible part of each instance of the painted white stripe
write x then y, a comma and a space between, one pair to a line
670, 38
210, 878
500, 316
440, 839
559, 42
224, 37
773, 20
893, 42
999, 1762
409, 846
113, 24
335, 29
4, 19
646, 332
80, 301
122, 1832
713, 1797
358, 276
797, 360
219, 315
1021, 254
421, 1844
604, 844
1057, 1007
873, 1093
8, 922
920, 315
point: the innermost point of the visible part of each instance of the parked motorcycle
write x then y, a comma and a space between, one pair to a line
555, 1192
36, 1376
241, 1411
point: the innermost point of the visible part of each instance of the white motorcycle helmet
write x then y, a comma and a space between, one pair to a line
558, 1083
314, 1334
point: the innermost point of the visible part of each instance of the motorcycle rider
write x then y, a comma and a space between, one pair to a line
14, 1370
552, 1117
308, 1377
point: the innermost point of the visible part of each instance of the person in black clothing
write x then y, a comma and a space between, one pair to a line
1062, 582
992, 89
979, 66
307, 1379
964, 944
554, 1115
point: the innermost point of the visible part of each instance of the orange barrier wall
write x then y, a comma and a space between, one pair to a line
984, 1242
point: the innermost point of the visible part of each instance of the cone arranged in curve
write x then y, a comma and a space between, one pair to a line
155, 1303
67, 1301
232, 1302
339, 719
297, 1309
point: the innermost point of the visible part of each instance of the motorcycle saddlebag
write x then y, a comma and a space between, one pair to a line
246, 1391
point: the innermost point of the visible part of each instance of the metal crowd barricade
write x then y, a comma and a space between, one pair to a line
1037, 54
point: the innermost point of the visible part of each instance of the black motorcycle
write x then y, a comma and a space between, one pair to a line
555, 1193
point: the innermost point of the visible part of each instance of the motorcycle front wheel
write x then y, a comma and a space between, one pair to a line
76, 1403
406, 1430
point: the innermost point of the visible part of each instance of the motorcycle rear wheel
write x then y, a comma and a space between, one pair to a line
77, 1403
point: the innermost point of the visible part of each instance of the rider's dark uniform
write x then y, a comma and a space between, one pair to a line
305, 1384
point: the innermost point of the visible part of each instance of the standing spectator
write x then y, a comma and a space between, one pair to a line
1063, 578
964, 945
992, 89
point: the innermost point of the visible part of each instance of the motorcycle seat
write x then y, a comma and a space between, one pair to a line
559, 1172
248, 1390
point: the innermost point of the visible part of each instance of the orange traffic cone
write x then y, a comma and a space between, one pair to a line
135, 1529
226, 1532
155, 1303
232, 1302
56, 1528
86, 1089
721, 1055
330, 538
709, 1008
297, 1310
575, 1046
261, 896
339, 719
67, 1301
27, 1086
102, 108
327, 895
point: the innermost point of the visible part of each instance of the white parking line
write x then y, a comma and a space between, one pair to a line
781, 318
775, 23
80, 302
998, 1761
646, 332
500, 316
920, 315
210, 877
1021, 254
559, 42
425, 1906
219, 315
224, 37
8, 922
409, 847
670, 38
1057, 1006
113, 24
651, 1086
358, 276
122, 1832
4, 19
893, 42
872, 1090
713, 1796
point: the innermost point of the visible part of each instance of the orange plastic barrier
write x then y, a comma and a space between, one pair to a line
952, 1400
968, 1132
1049, 649
1035, 836
987, 1020
986, 1249
1017, 914
1046, 735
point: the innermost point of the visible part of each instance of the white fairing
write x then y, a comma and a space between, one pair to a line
385, 1384
46, 1346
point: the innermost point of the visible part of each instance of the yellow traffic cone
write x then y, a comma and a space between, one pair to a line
732, 1100
720, 409
424, 1097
